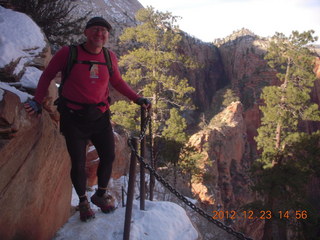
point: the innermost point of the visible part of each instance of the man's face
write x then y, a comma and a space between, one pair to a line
97, 36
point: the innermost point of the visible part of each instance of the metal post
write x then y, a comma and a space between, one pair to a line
132, 176
152, 163
142, 154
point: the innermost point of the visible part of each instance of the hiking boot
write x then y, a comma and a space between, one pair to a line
105, 203
85, 210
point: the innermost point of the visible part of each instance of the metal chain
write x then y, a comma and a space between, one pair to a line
175, 192
145, 127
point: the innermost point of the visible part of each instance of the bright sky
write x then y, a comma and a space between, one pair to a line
211, 19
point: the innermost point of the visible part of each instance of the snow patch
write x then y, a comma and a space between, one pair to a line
22, 95
1, 94
31, 77
160, 220
20, 37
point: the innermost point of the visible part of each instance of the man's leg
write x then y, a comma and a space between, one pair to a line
76, 144
77, 151
105, 146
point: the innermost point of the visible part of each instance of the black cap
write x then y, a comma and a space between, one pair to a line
98, 21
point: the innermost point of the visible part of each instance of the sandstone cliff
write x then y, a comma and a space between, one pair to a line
225, 183
35, 189
209, 76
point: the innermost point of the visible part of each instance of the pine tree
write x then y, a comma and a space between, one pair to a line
148, 66
126, 115
229, 97
285, 107
288, 104
175, 127
175, 138
192, 163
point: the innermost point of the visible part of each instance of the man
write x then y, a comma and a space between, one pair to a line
84, 110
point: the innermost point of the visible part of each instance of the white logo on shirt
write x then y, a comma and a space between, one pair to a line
94, 71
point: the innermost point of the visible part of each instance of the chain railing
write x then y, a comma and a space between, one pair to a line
132, 142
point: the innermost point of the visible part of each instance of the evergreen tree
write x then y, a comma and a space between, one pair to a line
175, 127
125, 115
192, 163
285, 107
175, 138
288, 104
229, 97
148, 64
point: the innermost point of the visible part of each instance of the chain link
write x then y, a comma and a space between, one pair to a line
174, 191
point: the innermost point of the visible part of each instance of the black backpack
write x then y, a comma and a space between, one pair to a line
73, 59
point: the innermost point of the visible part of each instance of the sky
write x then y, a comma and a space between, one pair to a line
212, 19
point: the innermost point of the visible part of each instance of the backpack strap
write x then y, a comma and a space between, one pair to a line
72, 58
108, 60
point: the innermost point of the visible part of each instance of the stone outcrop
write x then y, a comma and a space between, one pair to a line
315, 94
35, 189
225, 183
242, 56
223, 142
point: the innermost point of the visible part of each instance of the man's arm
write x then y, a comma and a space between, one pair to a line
57, 64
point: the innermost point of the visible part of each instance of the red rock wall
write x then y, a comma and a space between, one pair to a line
35, 189
224, 142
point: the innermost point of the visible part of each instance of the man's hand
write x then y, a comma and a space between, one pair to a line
144, 102
32, 107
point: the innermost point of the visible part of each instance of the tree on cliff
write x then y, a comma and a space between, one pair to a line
148, 66
192, 164
282, 172
54, 17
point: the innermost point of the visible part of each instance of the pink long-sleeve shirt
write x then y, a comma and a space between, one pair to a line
84, 84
